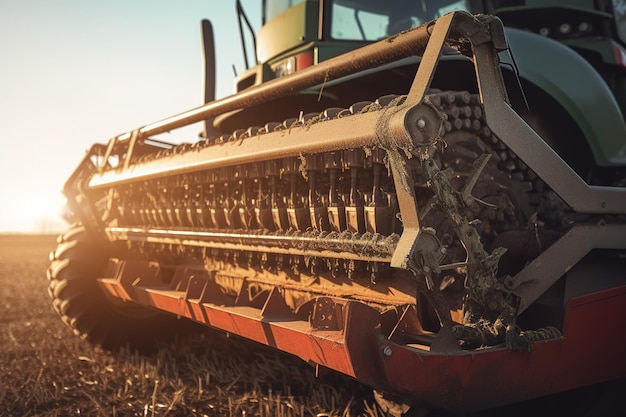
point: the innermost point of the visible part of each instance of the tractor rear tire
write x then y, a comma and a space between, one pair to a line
89, 311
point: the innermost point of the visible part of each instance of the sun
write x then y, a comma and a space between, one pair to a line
43, 212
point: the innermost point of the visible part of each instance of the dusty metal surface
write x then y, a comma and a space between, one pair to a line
542, 159
562, 256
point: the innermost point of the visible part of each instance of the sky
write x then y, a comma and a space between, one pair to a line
76, 72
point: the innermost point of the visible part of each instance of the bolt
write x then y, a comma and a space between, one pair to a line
387, 351
510, 283
421, 123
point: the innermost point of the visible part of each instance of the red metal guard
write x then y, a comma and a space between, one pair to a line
347, 336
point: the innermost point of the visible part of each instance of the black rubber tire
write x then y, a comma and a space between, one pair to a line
93, 315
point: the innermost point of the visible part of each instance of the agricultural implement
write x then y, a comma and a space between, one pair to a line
419, 213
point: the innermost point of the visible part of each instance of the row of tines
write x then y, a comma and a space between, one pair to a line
349, 190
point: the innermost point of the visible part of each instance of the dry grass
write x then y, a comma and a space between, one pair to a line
45, 370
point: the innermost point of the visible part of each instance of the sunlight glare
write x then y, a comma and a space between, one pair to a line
43, 212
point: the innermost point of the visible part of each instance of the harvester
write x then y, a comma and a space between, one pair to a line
426, 196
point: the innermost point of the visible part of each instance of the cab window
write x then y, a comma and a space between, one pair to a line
370, 20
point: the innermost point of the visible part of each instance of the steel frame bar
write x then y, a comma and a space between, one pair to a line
391, 49
561, 256
349, 132
513, 131
372, 250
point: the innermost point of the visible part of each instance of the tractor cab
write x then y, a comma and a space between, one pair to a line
296, 34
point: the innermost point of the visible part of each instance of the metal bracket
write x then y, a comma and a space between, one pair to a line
561, 257
422, 123
134, 136
513, 131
